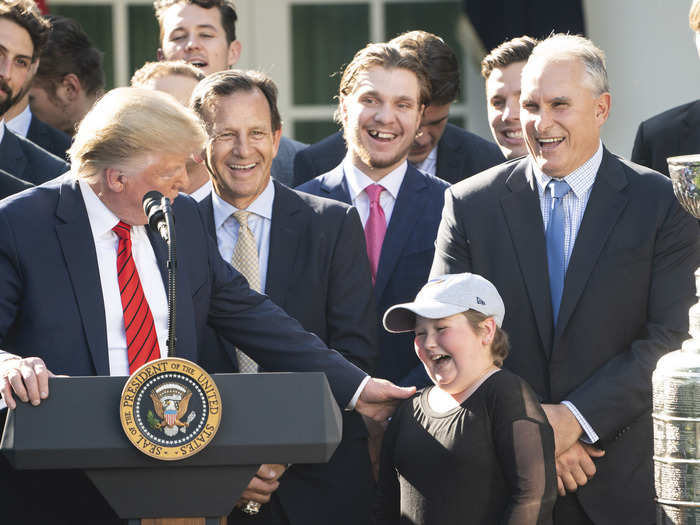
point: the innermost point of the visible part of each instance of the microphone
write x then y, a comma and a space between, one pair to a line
153, 208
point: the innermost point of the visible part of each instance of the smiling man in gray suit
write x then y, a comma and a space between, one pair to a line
594, 259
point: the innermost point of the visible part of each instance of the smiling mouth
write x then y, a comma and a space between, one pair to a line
440, 358
550, 143
242, 167
196, 62
381, 136
513, 134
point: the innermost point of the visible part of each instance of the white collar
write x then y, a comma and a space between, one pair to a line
358, 181
101, 218
2, 129
580, 180
20, 124
261, 206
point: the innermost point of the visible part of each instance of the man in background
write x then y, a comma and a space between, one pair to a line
177, 78
70, 77
675, 131
203, 33
23, 33
439, 148
501, 70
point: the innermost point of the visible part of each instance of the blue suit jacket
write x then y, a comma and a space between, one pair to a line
24, 159
49, 138
461, 154
404, 263
51, 306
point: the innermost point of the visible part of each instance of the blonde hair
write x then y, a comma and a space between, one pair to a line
132, 122
155, 70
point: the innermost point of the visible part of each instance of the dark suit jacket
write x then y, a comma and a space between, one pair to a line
628, 287
52, 307
9, 184
24, 159
668, 134
404, 263
49, 138
318, 272
460, 155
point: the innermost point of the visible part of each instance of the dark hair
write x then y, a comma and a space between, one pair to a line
439, 61
228, 82
694, 16
388, 56
69, 50
25, 14
500, 344
226, 8
516, 50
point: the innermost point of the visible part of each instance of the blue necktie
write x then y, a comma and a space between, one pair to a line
556, 258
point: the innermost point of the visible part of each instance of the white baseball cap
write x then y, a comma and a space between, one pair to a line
444, 296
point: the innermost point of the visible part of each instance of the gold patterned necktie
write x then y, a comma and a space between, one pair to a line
245, 260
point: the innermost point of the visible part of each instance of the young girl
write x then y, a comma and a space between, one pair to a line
476, 448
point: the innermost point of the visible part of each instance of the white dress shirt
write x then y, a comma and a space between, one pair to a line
20, 124
259, 222
200, 193
574, 204
102, 220
2, 129
429, 165
358, 181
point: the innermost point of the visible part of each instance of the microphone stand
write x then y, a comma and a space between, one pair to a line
172, 275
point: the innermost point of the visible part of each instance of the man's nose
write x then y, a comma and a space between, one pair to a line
384, 114
511, 111
5, 66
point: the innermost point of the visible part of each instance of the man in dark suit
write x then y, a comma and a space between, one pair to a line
439, 149
22, 34
22, 122
312, 262
9, 184
381, 98
593, 299
132, 142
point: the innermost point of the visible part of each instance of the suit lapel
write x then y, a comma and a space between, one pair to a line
602, 212
409, 206
73, 236
690, 137
522, 211
334, 186
286, 226
13, 159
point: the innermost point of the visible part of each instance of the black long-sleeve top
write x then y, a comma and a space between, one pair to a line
488, 461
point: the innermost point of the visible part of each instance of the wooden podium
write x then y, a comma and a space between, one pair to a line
267, 418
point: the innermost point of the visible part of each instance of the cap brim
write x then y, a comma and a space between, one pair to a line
402, 317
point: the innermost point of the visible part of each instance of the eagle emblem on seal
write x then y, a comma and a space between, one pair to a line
170, 402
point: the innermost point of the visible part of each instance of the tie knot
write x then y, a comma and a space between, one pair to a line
559, 188
373, 191
123, 230
241, 217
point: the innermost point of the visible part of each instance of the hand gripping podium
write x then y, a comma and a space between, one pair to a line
266, 418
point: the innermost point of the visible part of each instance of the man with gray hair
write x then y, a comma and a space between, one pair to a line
594, 259
82, 289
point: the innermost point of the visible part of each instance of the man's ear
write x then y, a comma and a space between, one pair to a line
114, 179
234, 53
70, 88
159, 55
602, 108
276, 136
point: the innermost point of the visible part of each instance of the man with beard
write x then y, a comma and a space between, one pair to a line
22, 34
382, 95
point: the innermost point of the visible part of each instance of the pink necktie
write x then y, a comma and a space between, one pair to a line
375, 228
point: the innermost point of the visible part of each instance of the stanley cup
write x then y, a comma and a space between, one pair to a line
676, 384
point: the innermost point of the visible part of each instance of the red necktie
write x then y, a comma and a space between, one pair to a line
141, 337
375, 227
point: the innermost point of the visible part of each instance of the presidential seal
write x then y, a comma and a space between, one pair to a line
170, 408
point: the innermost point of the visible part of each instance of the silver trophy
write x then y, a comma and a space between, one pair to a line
676, 384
